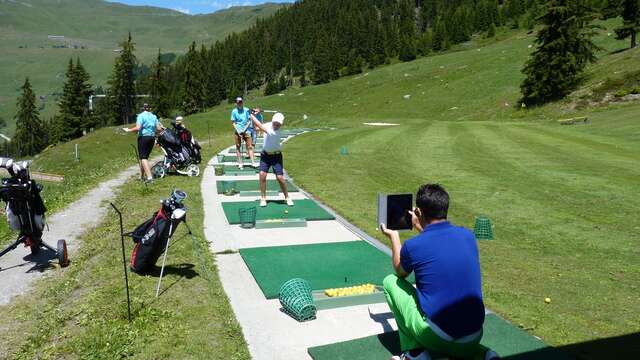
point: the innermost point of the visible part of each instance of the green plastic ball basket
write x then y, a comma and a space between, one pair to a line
229, 188
297, 301
247, 217
483, 228
219, 169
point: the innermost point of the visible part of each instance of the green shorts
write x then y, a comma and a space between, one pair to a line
414, 330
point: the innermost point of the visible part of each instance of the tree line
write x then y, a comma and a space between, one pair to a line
318, 41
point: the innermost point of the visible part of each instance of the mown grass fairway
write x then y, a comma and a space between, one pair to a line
80, 312
563, 198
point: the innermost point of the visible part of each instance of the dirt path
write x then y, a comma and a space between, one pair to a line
18, 268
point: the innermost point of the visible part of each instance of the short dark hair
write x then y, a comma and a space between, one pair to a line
433, 201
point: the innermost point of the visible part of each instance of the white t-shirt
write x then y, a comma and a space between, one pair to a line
271, 139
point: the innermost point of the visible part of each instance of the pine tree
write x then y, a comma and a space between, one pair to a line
122, 87
491, 32
193, 91
159, 88
440, 36
564, 48
73, 117
30, 133
631, 22
322, 61
407, 31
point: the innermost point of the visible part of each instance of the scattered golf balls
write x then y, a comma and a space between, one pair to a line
547, 300
350, 291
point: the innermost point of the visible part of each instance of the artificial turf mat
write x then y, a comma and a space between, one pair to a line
234, 170
234, 158
303, 209
507, 340
324, 266
254, 185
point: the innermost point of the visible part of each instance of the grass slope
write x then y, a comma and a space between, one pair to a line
99, 26
563, 199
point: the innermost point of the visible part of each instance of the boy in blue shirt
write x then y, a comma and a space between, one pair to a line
445, 312
241, 122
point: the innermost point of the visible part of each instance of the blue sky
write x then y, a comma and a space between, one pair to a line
197, 6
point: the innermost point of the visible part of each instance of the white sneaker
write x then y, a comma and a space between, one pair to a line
254, 165
263, 202
289, 201
240, 166
406, 356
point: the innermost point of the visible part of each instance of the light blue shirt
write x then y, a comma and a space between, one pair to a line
260, 118
147, 123
240, 119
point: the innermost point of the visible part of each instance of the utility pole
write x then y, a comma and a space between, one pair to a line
290, 62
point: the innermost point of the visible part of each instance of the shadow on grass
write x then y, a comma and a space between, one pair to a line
618, 347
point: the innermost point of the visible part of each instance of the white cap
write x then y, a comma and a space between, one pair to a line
238, 99
179, 118
278, 118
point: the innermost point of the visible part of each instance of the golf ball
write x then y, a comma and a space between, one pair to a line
286, 211
547, 300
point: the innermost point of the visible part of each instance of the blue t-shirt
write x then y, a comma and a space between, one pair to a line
148, 123
260, 118
240, 119
445, 261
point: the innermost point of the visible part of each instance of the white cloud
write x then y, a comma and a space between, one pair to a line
182, 10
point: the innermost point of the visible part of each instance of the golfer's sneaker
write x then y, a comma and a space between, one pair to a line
254, 165
263, 202
407, 356
289, 201
240, 166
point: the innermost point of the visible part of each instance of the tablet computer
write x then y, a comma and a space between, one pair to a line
393, 211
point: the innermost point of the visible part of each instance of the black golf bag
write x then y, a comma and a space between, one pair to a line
25, 209
151, 237
189, 142
177, 156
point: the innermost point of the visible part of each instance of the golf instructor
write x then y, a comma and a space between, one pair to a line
271, 156
445, 312
146, 125
241, 121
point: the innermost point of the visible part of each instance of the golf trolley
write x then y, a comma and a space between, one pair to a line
25, 210
178, 156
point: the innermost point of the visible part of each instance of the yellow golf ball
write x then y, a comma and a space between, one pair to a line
547, 300
286, 211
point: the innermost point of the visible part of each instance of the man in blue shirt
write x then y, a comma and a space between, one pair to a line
241, 121
257, 112
146, 125
446, 312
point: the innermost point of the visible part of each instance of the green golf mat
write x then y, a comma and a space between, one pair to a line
233, 158
234, 170
324, 266
303, 209
254, 185
507, 340
257, 149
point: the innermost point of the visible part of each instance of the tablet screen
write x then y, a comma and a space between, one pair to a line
398, 207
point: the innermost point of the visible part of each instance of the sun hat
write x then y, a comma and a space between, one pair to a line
278, 118
239, 99
179, 120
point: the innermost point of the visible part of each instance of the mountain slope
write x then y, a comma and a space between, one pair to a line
95, 27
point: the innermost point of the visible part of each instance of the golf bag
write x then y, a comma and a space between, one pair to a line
189, 142
25, 209
151, 237
176, 156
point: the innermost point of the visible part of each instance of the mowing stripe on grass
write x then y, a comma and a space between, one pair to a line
324, 266
303, 209
254, 185
505, 339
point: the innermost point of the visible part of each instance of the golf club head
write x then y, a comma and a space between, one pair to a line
178, 214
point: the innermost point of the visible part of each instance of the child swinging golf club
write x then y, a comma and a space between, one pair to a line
271, 156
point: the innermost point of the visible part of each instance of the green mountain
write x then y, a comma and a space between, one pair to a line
37, 37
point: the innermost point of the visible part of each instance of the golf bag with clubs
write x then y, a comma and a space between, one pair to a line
26, 210
153, 236
177, 156
188, 141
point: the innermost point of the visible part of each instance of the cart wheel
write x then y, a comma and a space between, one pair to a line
158, 171
63, 256
193, 170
